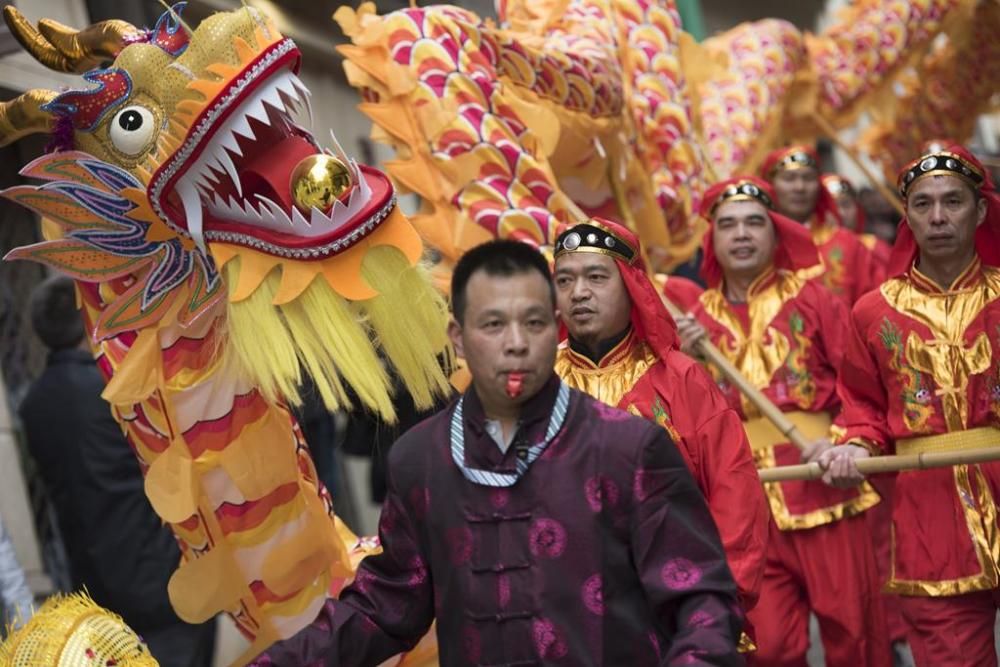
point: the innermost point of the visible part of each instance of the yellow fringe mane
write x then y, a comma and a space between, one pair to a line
334, 341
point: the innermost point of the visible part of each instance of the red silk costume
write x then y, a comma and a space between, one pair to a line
879, 517
849, 269
922, 373
788, 340
682, 292
647, 375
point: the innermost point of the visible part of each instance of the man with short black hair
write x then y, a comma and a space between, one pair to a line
785, 335
537, 525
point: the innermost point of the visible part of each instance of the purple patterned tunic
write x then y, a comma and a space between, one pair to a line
604, 553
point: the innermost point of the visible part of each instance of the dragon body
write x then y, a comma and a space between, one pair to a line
605, 107
209, 291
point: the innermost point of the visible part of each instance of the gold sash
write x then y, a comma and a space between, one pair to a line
954, 441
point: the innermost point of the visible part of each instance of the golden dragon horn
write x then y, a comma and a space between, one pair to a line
24, 115
64, 49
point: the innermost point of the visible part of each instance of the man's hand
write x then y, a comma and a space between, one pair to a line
690, 332
815, 449
839, 464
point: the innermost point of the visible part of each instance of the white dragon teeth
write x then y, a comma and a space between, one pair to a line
317, 218
339, 153
230, 143
204, 183
227, 163
290, 94
299, 220
242, 127
227, 137
192, 213
275, 101
304, 95
248, 212
338, 150
272, 216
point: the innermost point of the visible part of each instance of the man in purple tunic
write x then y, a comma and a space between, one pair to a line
536, 524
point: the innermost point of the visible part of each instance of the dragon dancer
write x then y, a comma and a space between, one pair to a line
785, 334
848, 269
622, 348
852, 216
922, 374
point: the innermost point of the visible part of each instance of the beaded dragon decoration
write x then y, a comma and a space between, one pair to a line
221, 254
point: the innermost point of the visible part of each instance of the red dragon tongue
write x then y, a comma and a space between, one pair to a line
515, 383
267, 174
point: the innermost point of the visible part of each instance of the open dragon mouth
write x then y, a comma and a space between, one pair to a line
230, 179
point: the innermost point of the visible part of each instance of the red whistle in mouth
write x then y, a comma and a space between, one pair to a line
515, 383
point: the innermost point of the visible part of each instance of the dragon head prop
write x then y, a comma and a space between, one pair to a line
185, 184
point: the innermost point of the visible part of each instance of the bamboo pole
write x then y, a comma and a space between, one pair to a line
886, 464
827, 128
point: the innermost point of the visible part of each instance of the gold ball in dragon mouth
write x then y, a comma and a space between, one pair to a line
320, 180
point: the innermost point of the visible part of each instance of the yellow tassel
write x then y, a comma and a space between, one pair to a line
407, 303
257, 345
334, 341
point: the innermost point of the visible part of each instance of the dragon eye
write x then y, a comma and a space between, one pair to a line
132, 128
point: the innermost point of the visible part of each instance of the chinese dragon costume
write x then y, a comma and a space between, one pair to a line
220, 255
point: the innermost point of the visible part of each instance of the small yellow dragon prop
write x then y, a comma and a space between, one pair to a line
74, 631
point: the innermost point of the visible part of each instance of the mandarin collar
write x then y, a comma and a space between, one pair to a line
969, 277
757, 285
604, 348
536, 409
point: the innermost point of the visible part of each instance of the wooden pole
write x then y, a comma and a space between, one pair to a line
884, 464
831, 132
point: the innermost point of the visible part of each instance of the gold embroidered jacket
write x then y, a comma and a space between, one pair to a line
787, 340
922, 373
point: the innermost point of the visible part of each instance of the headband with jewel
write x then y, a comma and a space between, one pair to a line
743, 191
794, 158
592, 236
837, 185
939, 164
